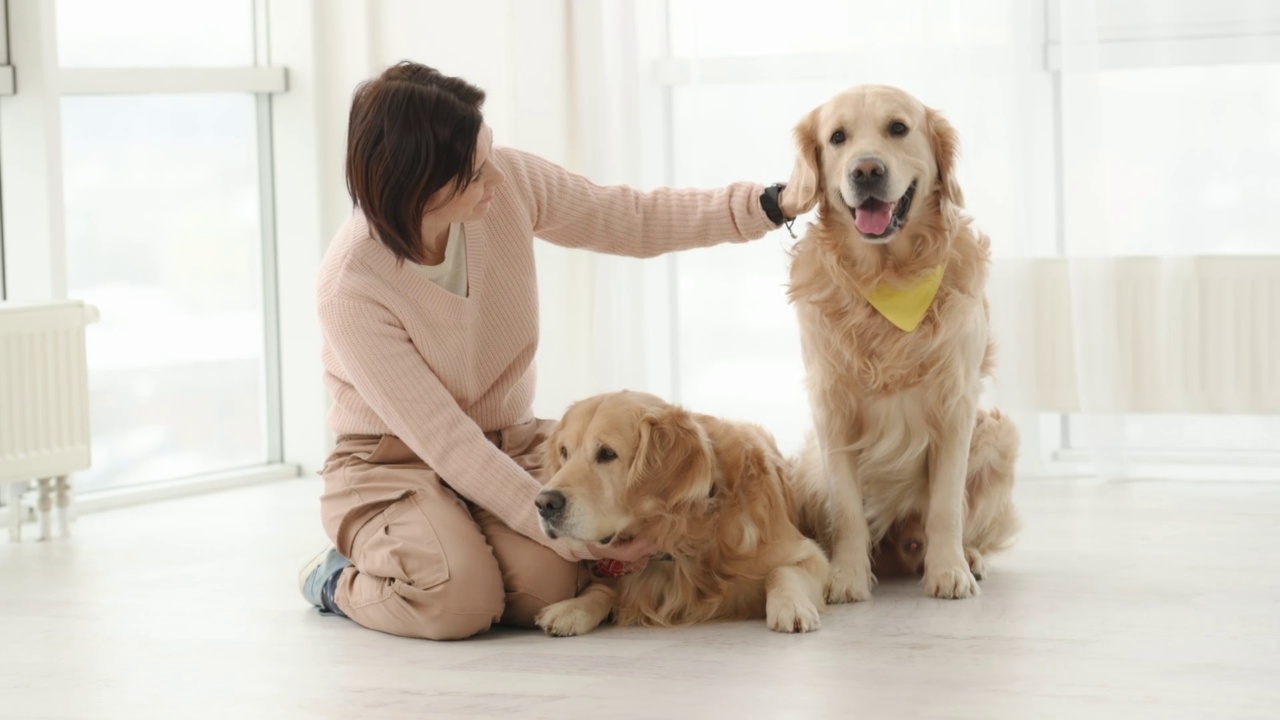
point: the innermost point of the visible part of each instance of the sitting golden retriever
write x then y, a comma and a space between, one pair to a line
713, 495
889, 289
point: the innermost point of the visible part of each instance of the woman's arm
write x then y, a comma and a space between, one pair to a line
571, 210
385, 368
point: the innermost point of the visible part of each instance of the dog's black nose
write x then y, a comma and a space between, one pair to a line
550, 503
868, 171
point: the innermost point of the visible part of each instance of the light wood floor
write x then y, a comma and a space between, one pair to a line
1145, 600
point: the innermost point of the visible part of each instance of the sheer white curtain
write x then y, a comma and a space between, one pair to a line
1116, 151
1166, 129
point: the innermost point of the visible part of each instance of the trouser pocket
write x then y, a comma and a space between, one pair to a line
391, 538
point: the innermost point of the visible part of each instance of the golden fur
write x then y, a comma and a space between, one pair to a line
898, 432
713, 494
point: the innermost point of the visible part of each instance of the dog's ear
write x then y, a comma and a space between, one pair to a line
945, 145
673, 459
805, 186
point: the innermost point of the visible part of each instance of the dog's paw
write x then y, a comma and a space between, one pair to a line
844, 586
977, 564
950, 582
789, 615
566, 619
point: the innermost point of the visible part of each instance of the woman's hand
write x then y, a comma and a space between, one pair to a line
796, 199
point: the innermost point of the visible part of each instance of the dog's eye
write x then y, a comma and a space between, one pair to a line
564, 453
898, 129
606, 454
837, 137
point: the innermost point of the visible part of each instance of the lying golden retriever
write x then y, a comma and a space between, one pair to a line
888, 286
713, 495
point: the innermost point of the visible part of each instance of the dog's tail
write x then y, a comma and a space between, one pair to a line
993, 453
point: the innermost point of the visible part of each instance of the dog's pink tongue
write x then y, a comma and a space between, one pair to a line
874, 220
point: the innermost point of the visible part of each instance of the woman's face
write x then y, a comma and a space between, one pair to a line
471, 204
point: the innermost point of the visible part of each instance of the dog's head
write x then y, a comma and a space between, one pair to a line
623, 465
872, 153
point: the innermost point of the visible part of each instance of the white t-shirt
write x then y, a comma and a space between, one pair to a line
452, 273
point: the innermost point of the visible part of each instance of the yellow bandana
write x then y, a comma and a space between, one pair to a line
906, 307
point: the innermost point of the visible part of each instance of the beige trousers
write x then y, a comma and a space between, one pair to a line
424, 562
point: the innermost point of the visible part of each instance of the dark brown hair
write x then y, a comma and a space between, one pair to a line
412, 132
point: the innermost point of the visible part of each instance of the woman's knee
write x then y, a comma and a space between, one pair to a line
451, 626
533, 587
466, 604
448, 589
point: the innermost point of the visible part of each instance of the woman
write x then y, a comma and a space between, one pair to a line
428, 303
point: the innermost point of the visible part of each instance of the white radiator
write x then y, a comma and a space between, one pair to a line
1140, 335
44, 405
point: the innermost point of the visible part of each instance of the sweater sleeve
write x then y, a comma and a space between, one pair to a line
398, 384
572, 211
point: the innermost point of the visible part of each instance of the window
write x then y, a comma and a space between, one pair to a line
1199, 181
164, 235
155, 33
159, 213
1194, 182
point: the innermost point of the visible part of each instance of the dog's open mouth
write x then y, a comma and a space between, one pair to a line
877, 219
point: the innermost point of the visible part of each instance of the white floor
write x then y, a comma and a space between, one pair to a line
1150, 600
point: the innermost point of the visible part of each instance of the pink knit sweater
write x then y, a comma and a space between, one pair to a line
403, 356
